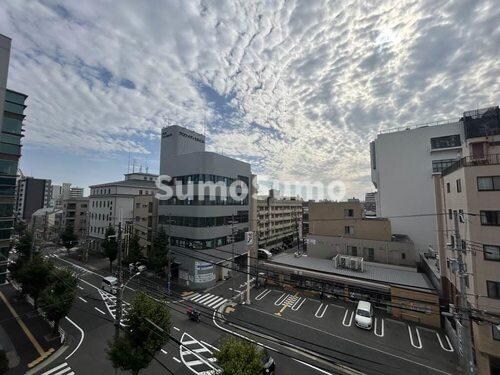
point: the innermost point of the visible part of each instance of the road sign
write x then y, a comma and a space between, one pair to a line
249, 238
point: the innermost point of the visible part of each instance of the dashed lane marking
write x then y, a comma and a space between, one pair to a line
82, 299
98, 309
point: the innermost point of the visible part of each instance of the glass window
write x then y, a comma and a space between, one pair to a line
493, 288
459, 186
495, 331
439, 165
446, 141
491, 252
488, 183
490, 218
450, 214
6, 209
8, 167
448, 187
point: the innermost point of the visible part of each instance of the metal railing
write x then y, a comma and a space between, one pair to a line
416, 126
471, 161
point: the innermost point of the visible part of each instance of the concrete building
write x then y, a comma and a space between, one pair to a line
59, 193
145, 220
280, 220
471, 188
12, 106
403, 163
75, 212
75, 192
32, 194
46, 223
207, 228
113, 202
370, 204
341, 228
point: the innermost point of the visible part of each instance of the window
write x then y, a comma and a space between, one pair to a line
369, 253
461, 216
489, 183
491, 252
452, 241
459, 186
450, 214
493, 289
445, 142
349, 230
439, 165
348, 212
403, 256
495, 331
140, 192
490, 218
352, 250
448, 187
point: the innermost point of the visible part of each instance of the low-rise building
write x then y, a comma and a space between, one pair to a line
341, 228
280, 220
145, 220
75, 211
46, 223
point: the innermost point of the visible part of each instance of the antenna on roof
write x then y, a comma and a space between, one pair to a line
140, 168
128, 165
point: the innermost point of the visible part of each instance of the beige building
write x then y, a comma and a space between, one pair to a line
341, 228
279, 218
471, 188
75, 214
144, 219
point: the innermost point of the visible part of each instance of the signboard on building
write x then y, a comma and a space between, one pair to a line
203, 272
249, 236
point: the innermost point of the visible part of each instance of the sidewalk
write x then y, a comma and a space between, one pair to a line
26, 336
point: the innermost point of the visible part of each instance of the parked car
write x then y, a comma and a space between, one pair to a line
364, 315
136, 267
109, 284
268, 364
264, 254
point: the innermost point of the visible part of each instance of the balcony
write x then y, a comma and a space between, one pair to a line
470, 161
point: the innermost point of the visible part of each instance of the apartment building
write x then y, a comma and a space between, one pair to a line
12, 107
32, 194
279, 220
341, 228
145, 219
470, 188
75, 212
403, 163
206, 228
46, 223
113, 202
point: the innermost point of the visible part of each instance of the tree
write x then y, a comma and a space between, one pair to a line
158, 255
240, 357
4, 362
56, 300
35, 276
25, 246
110, 246
68, 237
134, 249
142, 340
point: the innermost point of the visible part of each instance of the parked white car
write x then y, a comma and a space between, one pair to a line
109, 284
364, 315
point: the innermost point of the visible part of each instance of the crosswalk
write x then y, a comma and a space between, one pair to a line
76, 270
62, 369
110, 302
206, 299
198, 356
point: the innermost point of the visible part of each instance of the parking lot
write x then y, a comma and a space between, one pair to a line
400, 339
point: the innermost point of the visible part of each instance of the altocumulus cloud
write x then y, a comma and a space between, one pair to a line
298, 88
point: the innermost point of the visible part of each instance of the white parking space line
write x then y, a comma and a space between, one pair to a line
298, 304
346, 314
280, 299
318, 314
450, 347
419, 344
102, 312
381, 333
84, 300
263, 294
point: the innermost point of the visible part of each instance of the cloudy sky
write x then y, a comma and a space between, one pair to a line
297, 88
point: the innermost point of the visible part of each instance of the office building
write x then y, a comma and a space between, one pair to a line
470, 188
145, 219
206, 229
403, 163
341, 228
280, 220
32, 194
113, 202
75, 213
12, 106
75, 192
59, 193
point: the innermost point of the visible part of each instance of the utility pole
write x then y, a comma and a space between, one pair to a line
118, 316
169, 261
463, 315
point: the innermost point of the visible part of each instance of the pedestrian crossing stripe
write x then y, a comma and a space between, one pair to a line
207, 299
60, 370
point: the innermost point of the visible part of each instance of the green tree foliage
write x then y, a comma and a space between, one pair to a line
4, 362
134, 350
35, 276
19, 227
24, 246
134, 249
159, 251
240, 357
68, 237
56, 300
110, 246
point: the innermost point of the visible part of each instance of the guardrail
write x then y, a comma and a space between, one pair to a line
470, 161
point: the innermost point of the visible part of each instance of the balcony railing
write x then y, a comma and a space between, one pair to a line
471, 161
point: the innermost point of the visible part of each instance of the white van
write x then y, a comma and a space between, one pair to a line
109, 284
264, 254
364, 315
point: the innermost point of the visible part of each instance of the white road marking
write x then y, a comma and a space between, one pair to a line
298, 304
81, 337
318, 315
210, 300
311, 366
344, 321
79, 287
190, 350
177, 359
82, 299
214, 302
450, 347
61, 369
206, 297
263, 294
55, 369
219, 304
381, 334
208, 345
102, 312
419, 345
164, 351
280, 299
177, 329
196, 297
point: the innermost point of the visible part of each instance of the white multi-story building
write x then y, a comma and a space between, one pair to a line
403, 165
113, 202
75, 192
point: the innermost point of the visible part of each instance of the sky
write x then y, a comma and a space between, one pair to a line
296, 88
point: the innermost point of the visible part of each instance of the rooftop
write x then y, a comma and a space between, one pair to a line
131, 183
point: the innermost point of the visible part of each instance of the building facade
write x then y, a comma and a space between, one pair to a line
75, 214
280, 220
32, 194
341, 228
145, 219
112, 203
47, 223
470, 189
370, 204
206, 229
75, 192
403, 163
